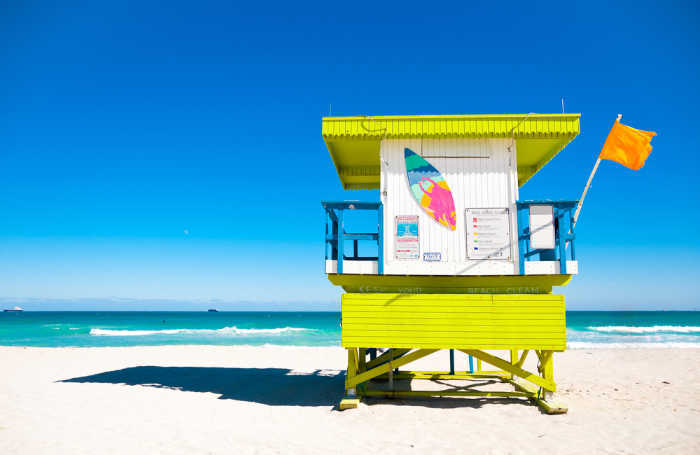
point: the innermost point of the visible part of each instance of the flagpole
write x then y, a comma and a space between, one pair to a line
588, 185
585, 191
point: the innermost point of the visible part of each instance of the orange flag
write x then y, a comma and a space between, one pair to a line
628, 146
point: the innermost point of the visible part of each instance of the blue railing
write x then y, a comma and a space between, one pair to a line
336, 236
564, 237
335, 242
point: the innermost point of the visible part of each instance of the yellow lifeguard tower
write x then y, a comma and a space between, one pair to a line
462, 264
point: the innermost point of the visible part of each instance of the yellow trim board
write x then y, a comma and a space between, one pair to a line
354, 142
444, 284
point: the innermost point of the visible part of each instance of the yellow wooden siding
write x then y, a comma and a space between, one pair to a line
446, 321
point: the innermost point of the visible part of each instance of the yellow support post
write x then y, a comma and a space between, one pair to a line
547, 370
362, 366
547, 402
542, 398
350, 401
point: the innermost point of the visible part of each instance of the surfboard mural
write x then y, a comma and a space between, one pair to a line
430, 189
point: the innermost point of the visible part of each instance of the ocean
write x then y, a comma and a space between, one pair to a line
585, 329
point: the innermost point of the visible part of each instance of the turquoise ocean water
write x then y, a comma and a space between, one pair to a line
585, 329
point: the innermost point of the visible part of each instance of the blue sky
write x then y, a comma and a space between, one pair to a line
172, 151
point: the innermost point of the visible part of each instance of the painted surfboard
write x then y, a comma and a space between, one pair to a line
430, 189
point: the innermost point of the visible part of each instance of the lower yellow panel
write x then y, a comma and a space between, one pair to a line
454, 321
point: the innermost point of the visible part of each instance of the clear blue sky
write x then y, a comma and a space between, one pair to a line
124, 124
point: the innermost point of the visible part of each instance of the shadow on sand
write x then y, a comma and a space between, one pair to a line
271, 386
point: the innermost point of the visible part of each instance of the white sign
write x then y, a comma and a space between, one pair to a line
433, 256
488, 234
406, 237
541, 227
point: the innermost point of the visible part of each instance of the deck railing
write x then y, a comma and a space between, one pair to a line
336, 236
564, 238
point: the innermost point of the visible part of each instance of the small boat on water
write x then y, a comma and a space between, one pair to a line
212, 310
13, 310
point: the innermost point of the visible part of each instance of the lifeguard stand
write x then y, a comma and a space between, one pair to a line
462, 263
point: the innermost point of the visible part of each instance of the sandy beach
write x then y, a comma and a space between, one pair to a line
205, 399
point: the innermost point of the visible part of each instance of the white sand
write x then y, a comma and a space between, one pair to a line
239, 400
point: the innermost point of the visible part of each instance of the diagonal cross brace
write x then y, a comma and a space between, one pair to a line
391, 354
521, 362
509, 367
384, 368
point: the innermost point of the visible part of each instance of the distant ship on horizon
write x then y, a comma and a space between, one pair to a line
212, 310
13, 310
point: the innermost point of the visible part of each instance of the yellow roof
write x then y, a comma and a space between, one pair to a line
353, 142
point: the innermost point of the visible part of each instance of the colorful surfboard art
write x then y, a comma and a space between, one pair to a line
430, 189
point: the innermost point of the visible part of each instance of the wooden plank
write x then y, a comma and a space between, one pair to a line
487, 346
451, 284
523, 386
454, 297
467, 322
549, 406
349, 403
440, 375
442, 393
552, 406
448, 339
453, 306
504, 365
456, 332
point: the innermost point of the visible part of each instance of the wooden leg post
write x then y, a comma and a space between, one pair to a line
350, 400
546, 401
363, 360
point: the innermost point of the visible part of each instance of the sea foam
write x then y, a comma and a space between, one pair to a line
649, 329
649, 345
223, 331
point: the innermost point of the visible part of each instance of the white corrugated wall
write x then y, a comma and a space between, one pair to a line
485, 176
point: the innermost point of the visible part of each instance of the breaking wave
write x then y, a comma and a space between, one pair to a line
650, 345
223, 331
650, 329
